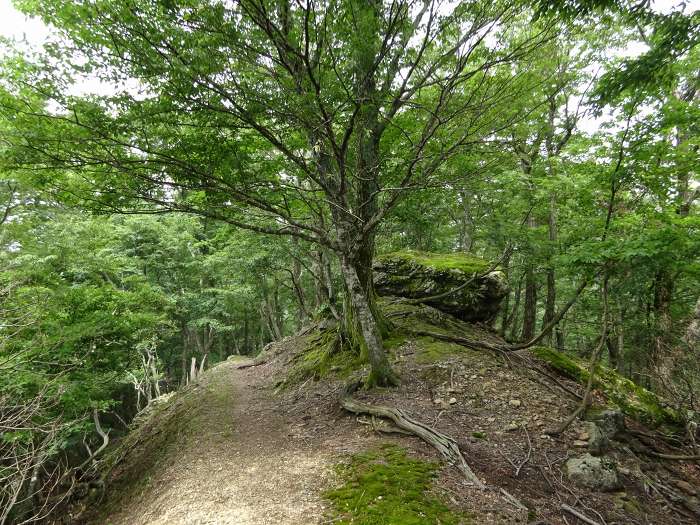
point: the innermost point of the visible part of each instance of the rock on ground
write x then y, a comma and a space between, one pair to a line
595, 473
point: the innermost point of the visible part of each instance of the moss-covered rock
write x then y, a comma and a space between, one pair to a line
635, 401
419, 275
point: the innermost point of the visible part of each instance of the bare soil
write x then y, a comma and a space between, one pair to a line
241, 450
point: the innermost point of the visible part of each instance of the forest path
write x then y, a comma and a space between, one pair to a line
245, 461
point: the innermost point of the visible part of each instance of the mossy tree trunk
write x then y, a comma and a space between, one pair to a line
361, 316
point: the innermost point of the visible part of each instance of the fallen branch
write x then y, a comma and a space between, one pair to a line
580, 516
463, 341
674, 457
480, 345
518, 466
253, 363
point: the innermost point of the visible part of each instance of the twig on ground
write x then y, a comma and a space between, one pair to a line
579, 515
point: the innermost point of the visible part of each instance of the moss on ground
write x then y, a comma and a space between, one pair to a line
431, 350
323, 356
440, 261
386, 487
634, 400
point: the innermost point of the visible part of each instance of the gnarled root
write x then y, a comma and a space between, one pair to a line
443, 443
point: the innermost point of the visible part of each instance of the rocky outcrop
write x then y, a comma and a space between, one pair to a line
431, 276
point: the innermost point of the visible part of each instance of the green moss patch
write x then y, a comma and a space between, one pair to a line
635, 401
440, 261
323, 356
386, 487
430, 350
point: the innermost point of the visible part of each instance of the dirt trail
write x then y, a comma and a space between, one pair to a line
247, 463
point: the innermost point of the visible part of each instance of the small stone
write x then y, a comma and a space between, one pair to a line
584, 436
511, 427
580, 443
491, 419
453, 400
515, 403
473, 376
438, 401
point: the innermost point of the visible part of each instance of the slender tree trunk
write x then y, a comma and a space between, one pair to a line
613, 351
466, 225
505, 309
514, 317
692, 333
184, 355
551, 300
302, 313
271, 317
530, 305
246, 333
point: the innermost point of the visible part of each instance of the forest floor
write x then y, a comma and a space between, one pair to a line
236, 448
240, 458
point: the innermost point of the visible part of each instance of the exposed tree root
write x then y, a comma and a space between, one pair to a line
443, 443
463, 341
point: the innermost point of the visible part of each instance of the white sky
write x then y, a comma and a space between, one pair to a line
14, 24
32, 33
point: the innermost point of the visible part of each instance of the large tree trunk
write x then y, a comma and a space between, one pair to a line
361, 313
663, 355
666, 351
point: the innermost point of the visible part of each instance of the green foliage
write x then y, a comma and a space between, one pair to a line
234, 129
388, 487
